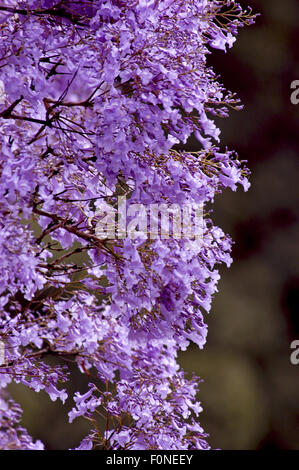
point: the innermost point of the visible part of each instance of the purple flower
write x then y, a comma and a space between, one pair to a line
93, 99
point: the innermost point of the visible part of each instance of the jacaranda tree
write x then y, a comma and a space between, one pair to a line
97, 99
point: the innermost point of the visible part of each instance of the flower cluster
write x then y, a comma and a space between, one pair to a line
12, 435
97, 101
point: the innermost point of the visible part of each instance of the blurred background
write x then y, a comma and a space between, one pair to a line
250, 392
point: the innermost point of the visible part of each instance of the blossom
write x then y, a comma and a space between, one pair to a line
12, 435
93, 98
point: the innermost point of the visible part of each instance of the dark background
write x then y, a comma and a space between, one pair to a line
250, 393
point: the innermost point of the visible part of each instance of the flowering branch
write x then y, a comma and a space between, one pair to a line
96, 95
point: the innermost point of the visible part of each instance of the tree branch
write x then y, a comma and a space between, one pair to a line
58, 12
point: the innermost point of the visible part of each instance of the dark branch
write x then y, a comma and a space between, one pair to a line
58, 12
